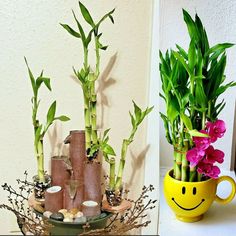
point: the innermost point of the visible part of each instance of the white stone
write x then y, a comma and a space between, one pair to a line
47, 214
67, 219
79, 214
63, 211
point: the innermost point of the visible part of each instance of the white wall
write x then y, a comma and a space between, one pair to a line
31, 29
219, 20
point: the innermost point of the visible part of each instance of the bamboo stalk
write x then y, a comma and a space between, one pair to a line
112, 173
192, 174
40, 161
184, 168
121, 164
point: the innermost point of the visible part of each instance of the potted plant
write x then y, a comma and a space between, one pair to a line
41, 180
114, 188
90, 166
192, 82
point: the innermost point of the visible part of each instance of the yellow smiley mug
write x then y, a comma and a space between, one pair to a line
190, 200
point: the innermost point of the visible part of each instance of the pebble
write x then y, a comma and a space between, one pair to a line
74, 211
63, 211
57, 216
68, 220
81, 219
47, 214
69, 215
79, 214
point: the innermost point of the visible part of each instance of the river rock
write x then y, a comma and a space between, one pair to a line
68, 219
57, 216
79, 214
63, 211
81, 219
47, 214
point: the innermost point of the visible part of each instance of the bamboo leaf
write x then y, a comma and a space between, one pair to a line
111, 18
70, 30
181, 59
137, 111
132, 120
196, 133
166, 126
105, 133
80, 29
173, 109
51, 113
182, 52
44, 80
187, 121
190, 25
223, 88
192, 55
32, 80
221, 46
88, 18
62, 118
108, 149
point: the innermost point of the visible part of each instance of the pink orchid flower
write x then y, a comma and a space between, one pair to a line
214, 155
202, 142
208, 170
195, 155
216, 129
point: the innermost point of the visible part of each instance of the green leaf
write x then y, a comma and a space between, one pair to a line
137, 112
70, 30
166, 126
192, 59
132, 120
103, 48
111, 18
196, 133
182, 52
200, 95
86, 14
51, 113
80, 29
108, 149
172, 109
105, 133
190, 25
223, 88
45, 80
187, 121
62, 118
32, 80
181, 59
95, 29
221, 46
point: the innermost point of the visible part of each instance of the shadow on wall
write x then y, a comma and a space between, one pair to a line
105, 82
137, 163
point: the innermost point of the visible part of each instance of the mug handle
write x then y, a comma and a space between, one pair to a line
231, 195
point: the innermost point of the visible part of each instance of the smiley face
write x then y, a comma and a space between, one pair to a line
189, 200
183, 192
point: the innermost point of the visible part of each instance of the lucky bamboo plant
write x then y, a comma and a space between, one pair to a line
40, 129
87, 76
115, 181
192, 82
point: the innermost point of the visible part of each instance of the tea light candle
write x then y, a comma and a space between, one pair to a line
53, 199
91, 208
